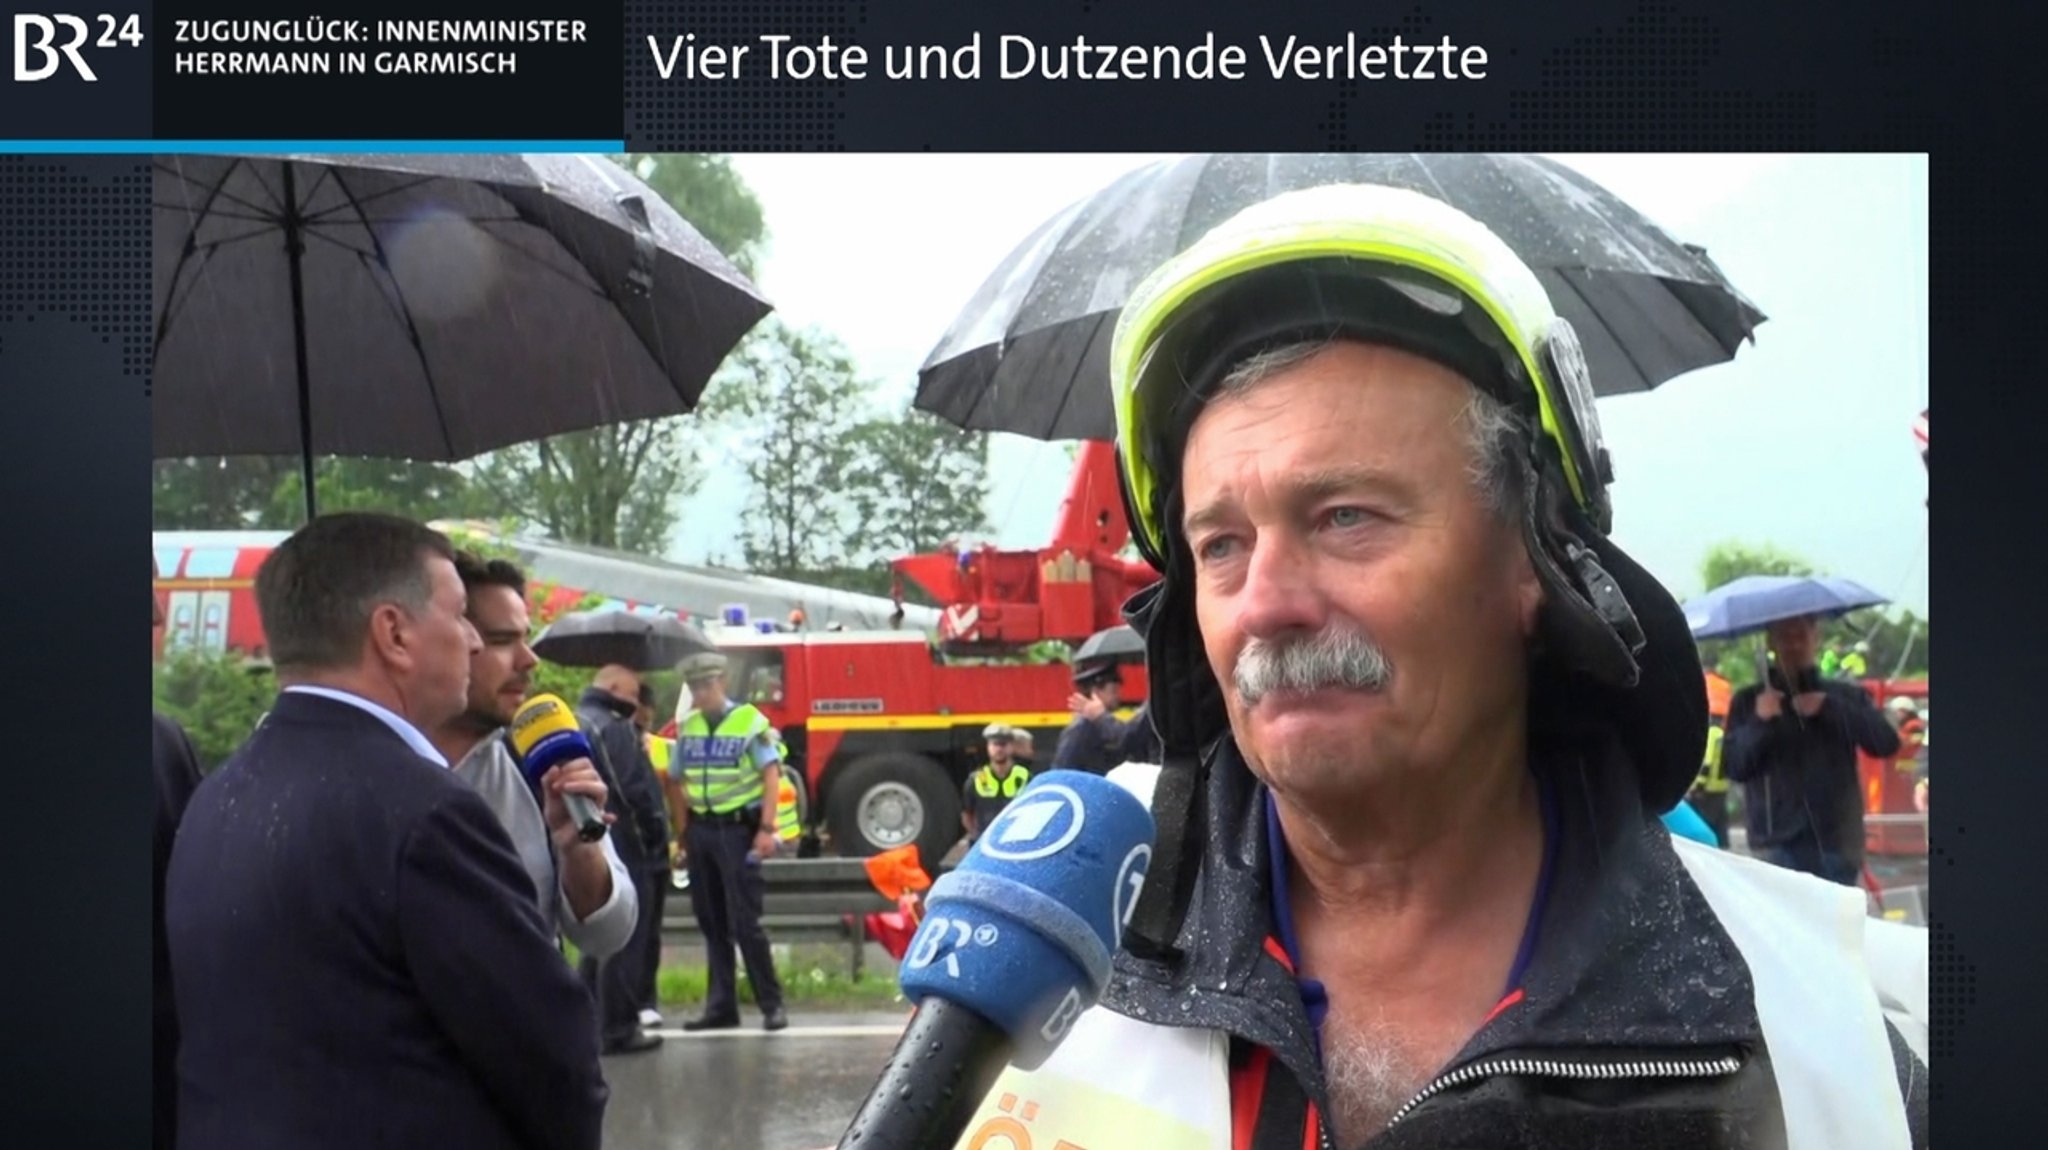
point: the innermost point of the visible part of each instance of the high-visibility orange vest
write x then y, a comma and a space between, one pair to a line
788, 825
1719, 694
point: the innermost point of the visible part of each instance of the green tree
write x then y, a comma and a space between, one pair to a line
1898, 645
217, 698
707, 191
613, 486
915, 483
268, 492
789, 403
423, 491
1729, 561
215, 493
620, 486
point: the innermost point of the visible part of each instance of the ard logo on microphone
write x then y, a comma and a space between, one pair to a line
1041, 823
43, 44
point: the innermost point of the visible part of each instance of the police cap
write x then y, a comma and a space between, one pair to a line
702, 667
1090, 673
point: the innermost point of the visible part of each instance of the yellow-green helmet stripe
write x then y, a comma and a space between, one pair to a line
1485, 272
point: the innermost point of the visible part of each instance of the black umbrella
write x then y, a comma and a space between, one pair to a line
1029, 354
1118, 644
427, 307
604, 638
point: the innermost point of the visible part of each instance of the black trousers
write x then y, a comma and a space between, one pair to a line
615, 982
653, 889
611, 982
726, 892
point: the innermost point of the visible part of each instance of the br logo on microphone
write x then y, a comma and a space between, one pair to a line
1043, 821
57, 39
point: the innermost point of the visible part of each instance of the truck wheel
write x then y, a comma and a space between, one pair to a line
881, 802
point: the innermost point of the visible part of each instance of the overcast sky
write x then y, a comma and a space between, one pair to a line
1803, 441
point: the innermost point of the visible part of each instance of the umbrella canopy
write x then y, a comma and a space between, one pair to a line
1754, 602
1029, 354
427, 307
1118, 644
625, 638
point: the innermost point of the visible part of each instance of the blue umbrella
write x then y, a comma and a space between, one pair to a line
1754, 602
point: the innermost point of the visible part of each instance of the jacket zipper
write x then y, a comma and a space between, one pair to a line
1542, 1068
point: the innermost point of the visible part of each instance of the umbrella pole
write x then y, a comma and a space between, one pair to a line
294, 248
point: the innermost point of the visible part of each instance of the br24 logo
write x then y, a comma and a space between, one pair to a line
38, 34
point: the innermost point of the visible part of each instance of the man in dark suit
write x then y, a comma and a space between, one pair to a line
175, 767
359, 955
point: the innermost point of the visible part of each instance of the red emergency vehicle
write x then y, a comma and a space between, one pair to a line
1892, 826
885, 726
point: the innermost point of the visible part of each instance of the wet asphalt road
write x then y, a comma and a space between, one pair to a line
746, 1090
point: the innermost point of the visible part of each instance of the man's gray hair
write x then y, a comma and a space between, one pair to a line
1493, 430
316, 591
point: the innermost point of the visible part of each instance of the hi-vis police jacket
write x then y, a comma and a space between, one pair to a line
1680, 998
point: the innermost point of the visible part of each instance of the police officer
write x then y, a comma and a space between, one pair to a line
990, 789
730, 765
1854, 665
1093, 742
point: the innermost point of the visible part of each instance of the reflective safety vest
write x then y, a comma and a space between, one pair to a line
1853, 666
988, 786
788, 826
1711, 779
720, 771
658, 752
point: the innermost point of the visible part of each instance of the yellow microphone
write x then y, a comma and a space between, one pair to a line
545, 734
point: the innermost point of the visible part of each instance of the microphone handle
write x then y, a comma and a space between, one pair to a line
941, 1069
589, 820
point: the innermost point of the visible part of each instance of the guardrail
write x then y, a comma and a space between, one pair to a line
1895, 848
1895, 834
806, 900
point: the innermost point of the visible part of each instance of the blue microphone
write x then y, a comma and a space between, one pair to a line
1014, 946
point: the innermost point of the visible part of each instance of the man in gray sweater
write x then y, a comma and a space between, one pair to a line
583, 889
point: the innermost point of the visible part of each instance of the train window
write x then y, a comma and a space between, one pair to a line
213, 627
184, 623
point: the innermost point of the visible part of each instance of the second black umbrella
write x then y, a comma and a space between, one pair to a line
1117, 644
1029, 354
622, 638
